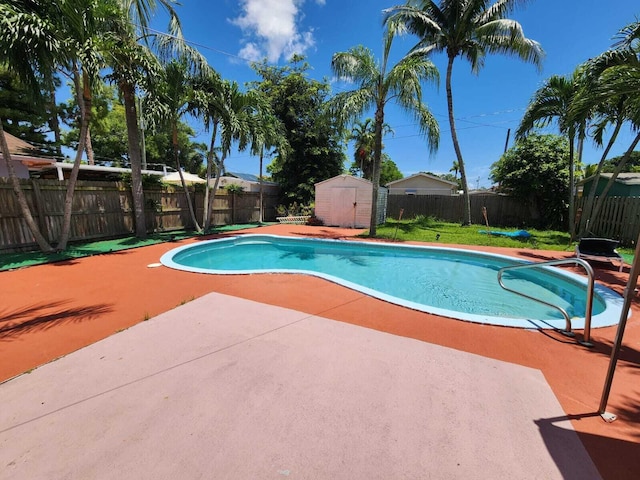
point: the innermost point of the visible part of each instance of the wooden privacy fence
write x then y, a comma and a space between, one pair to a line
619, 219
105, 210
502, 211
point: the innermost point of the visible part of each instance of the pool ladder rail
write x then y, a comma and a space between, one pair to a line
586, 341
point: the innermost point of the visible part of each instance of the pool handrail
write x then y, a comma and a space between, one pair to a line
586, 341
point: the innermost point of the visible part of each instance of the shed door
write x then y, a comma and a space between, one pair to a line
343, 210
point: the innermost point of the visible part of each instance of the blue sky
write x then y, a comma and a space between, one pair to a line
231, 32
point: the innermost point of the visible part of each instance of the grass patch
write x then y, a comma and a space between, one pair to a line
428, 229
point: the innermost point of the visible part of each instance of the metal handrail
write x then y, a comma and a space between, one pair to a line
590, 285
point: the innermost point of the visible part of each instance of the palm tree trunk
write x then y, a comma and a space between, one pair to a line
219, 167
206, 221
88, 148
176, 155
135, 157
375, 175
456, 146
571, 182
261, 215
586, 210
20, 196
84, 102
623, 161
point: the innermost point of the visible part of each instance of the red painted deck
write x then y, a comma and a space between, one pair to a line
51, 310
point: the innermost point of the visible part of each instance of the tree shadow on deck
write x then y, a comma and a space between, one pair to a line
45, 315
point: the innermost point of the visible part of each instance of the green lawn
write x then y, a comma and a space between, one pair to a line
426, 229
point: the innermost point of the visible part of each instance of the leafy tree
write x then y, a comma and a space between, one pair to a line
377, 84
468, 29
389, 171
631, 165
314, 149
108, 126
159, 148
22, 115
536, 170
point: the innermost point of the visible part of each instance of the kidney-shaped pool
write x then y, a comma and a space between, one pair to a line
455, 283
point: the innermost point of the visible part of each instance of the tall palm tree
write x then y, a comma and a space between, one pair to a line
169, 100
377, 84
468, 29
133, 64
553, 102
267, 133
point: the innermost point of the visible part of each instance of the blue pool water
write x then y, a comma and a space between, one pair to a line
456, 283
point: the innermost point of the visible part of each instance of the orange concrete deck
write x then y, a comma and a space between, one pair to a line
51, 310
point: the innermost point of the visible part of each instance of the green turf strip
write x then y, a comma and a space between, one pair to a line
10, 261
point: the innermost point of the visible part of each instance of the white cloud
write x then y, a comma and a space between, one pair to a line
271, 29
250, 52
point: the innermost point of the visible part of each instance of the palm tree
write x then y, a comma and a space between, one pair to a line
613, 84
235, 124
134, 64
378, 84
553, 103
169, 100
84, 22
30, 46
363, 135
267, 132
469, 29
455, 168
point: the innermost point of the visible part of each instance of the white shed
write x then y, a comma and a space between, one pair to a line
345, 201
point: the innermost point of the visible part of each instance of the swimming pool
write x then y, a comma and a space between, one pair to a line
451, 282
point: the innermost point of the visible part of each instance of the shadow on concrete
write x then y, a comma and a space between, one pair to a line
601, 449
43, 316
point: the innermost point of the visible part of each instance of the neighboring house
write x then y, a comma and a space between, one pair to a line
23, 157
625, 185
422, 184
250, 183
345, 201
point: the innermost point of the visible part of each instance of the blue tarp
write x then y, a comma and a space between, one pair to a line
516, 234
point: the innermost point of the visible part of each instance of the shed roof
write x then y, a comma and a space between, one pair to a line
363, 180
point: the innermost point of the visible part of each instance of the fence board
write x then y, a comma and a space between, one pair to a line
105, 210
502, 211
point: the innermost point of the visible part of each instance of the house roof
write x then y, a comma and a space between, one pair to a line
18, 146
249, 177
424, 175
627, 178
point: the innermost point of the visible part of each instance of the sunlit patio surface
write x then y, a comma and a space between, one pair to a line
168, 374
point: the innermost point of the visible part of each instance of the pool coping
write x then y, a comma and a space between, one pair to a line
610, 316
